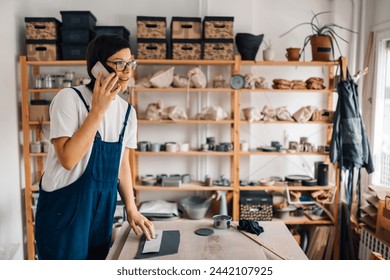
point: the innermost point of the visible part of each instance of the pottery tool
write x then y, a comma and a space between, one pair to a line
153, 245
260, 242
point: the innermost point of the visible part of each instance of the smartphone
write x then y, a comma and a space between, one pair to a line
98, 67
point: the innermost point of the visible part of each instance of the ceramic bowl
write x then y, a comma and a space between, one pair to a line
222, 221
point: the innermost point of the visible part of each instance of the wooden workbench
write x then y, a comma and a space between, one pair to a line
225, 244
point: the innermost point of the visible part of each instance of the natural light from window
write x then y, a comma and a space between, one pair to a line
382, 174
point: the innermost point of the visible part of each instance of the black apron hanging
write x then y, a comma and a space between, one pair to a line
350, 149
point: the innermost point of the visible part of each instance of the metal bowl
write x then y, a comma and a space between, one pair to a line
222, 221
195, 206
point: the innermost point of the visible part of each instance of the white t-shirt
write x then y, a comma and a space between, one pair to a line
67, 113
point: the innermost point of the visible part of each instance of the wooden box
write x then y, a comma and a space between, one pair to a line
322, 116
186, 28
186, 49
42, 50
218, 49
42, 28
39, 112
151, 27
383, 219
218, 27
152, 48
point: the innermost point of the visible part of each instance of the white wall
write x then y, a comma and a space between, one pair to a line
269, 17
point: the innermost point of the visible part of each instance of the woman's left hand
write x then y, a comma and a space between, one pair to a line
137, 221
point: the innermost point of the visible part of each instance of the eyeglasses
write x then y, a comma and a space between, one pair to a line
121, 65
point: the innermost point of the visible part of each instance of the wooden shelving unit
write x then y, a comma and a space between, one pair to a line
33, 162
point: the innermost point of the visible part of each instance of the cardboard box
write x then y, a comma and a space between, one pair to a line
218, 27
152, 48
42, 28
186, 49
39, 112
383, 219
151, 27
218, 49
42, 50
186, 28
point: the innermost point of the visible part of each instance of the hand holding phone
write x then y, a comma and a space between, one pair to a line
98, 67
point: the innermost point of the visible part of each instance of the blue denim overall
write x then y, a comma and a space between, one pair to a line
75, 222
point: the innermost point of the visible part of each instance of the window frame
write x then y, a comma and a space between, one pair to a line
381, 39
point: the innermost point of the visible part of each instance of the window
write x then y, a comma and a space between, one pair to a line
382, 114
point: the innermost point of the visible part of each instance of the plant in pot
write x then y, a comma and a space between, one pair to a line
323, 39
268, 52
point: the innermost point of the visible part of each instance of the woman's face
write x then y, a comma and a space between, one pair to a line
118, 61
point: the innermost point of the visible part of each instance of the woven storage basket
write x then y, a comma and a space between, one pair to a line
322, 116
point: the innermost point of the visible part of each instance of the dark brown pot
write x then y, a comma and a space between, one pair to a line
321, 48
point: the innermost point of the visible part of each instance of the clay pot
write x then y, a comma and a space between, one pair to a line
293, 54
321, 47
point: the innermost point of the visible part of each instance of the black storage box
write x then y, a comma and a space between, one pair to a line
151, 27
255, 205
186, 49
78, 19
77, 35
38, 28
152, 48
42, 50
74, 51
186, 28
115, 30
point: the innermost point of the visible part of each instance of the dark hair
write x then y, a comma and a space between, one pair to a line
100, 49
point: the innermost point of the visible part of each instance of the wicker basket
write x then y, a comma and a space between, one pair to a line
322, 116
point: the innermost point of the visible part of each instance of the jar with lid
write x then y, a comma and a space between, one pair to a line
49, 81
39, 81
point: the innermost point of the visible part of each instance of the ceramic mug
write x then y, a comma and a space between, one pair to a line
244, 146
156, 147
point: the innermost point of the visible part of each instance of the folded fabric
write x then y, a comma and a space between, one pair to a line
250, 226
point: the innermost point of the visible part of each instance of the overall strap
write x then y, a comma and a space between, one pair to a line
125, 123
97, 135
82, 98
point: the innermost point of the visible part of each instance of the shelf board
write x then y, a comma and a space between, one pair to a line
246, 90
144, 121
284, 122
185, 62
288, 63
302, 221
197, 186
283, 188
172, 89
38, 154
39, 90
35, 123
58, 63
260, 153
190, 153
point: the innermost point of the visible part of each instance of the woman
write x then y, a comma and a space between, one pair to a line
91, 132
